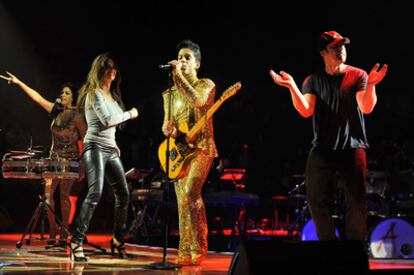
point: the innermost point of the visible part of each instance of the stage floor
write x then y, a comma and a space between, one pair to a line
36, 259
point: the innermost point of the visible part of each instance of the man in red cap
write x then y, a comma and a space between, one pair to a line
337, 98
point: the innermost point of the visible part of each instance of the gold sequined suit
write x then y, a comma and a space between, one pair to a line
189, 103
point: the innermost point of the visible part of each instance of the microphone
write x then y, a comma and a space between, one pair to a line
165, 67
57, 108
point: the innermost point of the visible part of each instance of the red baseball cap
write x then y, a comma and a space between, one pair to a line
333, 38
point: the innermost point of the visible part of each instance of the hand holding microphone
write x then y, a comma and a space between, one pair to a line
174, 64
57, 108
165, 67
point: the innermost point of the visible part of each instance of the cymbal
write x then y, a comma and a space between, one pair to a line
30, 152
280, 198
376, 174
21, 156
18, 152
299, 176
298, 196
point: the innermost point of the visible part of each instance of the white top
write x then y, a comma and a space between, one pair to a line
102, 117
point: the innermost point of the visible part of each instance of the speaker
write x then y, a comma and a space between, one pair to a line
299, 257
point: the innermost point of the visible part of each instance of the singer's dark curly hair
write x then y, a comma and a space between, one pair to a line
187, 43
75, 91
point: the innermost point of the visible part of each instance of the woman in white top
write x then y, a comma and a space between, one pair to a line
100, 101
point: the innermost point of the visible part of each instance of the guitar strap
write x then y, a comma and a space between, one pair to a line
191, 118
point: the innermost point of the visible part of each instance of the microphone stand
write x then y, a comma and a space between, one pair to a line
165, 265
300, 212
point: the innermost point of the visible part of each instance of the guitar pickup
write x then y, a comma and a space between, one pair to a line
173, 154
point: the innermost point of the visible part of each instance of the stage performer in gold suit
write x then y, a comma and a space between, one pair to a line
191, 98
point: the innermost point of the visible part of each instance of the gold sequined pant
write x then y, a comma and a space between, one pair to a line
191, 211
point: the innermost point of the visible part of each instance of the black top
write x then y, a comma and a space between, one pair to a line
338, 123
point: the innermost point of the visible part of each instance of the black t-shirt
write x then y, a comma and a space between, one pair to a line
338, 123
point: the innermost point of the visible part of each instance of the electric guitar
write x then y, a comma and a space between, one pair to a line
180, 148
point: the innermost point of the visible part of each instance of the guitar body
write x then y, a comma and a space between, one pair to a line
180, 153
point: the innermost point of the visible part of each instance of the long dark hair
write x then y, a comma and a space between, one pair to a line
94, 81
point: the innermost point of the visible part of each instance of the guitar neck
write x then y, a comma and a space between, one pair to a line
203, 120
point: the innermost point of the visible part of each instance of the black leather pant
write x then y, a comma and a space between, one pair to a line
102, 163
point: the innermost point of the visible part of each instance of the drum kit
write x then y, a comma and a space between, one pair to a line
22, 165
392, 238
27, 165
389, 236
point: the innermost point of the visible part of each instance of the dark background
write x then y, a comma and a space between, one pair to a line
46, 43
